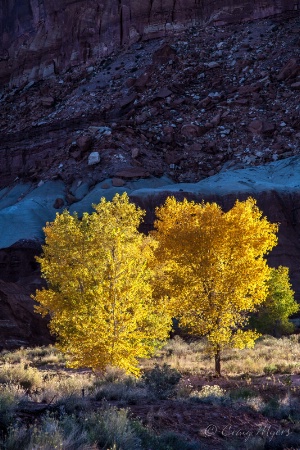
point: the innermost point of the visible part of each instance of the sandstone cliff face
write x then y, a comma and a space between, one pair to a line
39, 38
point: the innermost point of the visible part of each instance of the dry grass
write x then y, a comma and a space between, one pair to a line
270, 355
42, 373
258, 380
38, 356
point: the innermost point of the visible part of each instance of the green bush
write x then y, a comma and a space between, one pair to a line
270, 369
165, 441
162, 381
8, 405
121, 392
17, 437
111, 428
273, 315
242, 393
108, 428
287, 408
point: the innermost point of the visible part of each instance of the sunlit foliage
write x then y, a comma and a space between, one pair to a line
99, 293
213, 267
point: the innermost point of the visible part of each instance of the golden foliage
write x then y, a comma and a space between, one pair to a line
213, 266
99, 293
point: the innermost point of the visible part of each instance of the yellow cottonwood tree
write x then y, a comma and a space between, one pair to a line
99, 295
213, 267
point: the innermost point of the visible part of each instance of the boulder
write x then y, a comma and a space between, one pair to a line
290, 69
261, 127
118, 182
84, 143
94, 158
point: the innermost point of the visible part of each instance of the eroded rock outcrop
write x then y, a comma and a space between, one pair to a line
42, 38
185, 106
19, 278
19, 325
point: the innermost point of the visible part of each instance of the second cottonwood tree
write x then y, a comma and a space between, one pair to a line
213, 268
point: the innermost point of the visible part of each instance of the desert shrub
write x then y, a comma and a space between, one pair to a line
15, 356
165, 441
112, 428
161, 381
65, 432
210, 394
35, 356
184, 388
242, 393
105, 429
8, 403
72, 404
177, 346
17, 437
284, 441
279, 368
73, 385
256, 403
114, 374
111, 391
270, 369
286, 368
120, 391
57, 387
173, 441
46, 356
22, 374
285, 408
267, 341
41, 352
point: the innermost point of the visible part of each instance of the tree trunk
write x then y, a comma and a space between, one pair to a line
218, 361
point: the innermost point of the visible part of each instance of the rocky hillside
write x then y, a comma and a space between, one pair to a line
43, 38
208, 108
188, 106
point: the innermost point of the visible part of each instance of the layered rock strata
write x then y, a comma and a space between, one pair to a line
46, 37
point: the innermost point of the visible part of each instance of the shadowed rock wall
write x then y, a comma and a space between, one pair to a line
19, 325
281, 208
41, 37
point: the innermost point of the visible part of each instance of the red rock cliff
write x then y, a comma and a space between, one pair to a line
42, 37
